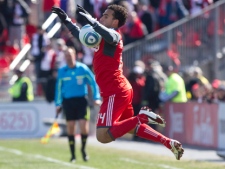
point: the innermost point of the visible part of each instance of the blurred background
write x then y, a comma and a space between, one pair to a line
188, 35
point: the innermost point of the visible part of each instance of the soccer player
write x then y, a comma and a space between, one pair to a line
71, 93
116, 113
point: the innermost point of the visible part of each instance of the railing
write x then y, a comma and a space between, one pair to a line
194, 40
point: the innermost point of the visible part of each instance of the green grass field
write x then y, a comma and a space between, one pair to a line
31, 154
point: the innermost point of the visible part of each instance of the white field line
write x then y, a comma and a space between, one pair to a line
44, 158
149, 164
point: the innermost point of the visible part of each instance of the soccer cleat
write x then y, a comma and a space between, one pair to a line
84, 155
176, 148
152, 117
73, 160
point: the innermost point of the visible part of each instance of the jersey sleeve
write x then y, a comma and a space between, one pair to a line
110, 35
73, 28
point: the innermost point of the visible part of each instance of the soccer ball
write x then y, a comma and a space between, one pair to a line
88, 37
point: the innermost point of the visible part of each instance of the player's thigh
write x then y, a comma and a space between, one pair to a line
127, 113
113, 108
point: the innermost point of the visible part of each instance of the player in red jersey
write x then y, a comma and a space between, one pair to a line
116, 113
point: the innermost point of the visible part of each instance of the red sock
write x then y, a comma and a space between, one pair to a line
146, 132
120, 128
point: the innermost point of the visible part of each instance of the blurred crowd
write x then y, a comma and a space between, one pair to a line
145, 16
18, 27
155, 84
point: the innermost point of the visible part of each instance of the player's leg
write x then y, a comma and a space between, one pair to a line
115, 117
146, 132
109, 126
84, 117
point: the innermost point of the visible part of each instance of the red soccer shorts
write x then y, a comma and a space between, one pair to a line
115, 108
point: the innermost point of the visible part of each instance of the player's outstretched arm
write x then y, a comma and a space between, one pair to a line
73, 28
110, 35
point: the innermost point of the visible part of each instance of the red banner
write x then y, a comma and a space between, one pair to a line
192, 123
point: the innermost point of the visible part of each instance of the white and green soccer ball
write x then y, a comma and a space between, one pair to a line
88, 37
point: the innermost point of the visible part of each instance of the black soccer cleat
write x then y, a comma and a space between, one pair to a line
84, 155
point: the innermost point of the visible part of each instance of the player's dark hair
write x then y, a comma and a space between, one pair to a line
120, 13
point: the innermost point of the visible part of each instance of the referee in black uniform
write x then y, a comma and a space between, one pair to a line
71, 97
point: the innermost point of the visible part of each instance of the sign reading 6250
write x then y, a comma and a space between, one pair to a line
17, 121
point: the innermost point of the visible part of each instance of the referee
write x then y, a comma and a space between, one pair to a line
71, 97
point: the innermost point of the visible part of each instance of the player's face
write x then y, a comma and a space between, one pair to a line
108, 19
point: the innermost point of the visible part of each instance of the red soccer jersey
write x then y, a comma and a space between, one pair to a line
108, 68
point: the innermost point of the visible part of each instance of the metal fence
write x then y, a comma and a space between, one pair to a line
194, 40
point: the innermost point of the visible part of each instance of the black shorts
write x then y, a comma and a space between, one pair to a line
76, 108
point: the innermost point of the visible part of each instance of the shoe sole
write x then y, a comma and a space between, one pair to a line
178, 148
154, 118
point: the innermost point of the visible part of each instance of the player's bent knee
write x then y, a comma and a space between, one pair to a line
103, 136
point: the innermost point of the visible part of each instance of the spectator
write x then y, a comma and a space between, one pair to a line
50, 86
219, 90
198, 5
189, 81
22, 89
174, 88
145, 16
199, 93
137, 81
171, 11
154, 7
38, 44
48, 64
60, 53
94, 8
197, 73
3, 29
18, 15
155, 82
195, 76
134, 29
69, 7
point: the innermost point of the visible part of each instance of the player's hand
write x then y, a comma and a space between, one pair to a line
89, 18
58, 110
81, 9
61, 14
97, 102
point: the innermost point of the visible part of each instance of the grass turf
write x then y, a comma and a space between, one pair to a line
31, 154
